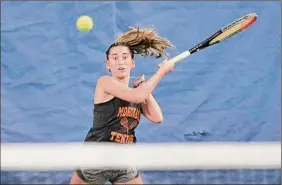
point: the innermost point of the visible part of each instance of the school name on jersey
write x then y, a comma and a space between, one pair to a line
132, 112
121, 138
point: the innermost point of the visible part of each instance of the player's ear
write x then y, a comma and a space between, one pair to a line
133, 63
107, 65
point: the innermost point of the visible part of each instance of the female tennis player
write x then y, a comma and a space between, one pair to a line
118, 107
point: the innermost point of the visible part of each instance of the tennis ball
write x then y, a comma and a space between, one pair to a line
84, 23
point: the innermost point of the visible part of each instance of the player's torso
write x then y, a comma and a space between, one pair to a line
115, 121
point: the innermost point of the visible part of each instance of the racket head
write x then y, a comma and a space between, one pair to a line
235, 27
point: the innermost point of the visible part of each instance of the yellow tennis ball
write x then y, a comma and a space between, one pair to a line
84, 23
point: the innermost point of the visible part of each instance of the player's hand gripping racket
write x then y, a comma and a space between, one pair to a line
222, 34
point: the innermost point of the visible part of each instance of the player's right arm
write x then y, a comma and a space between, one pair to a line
135, 95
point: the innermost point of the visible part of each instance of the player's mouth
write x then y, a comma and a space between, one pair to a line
121, 69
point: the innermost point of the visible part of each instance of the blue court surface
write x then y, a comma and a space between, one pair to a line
230, 92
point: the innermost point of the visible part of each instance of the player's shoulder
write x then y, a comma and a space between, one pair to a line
104, 79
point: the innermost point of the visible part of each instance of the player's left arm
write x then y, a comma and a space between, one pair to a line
150, 107
151, 110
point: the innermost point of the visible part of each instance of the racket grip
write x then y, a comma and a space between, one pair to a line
180, 57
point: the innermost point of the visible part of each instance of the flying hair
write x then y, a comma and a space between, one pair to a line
145, 42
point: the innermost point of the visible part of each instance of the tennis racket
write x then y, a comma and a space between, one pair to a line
222, 34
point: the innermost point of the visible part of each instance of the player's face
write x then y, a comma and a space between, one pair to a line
120, 62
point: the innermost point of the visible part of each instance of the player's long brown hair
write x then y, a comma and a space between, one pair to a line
143, 41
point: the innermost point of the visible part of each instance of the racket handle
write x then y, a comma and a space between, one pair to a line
180, 57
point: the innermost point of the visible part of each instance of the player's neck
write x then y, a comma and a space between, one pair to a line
124, 81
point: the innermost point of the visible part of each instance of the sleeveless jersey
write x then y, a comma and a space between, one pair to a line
114, 121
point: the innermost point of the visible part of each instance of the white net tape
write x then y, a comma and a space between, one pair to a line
161, 156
